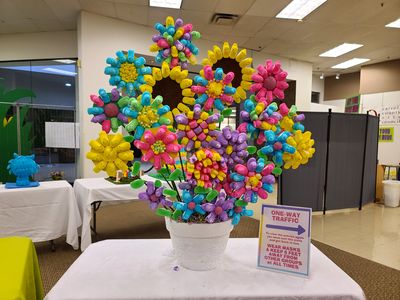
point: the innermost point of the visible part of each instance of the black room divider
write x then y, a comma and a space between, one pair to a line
342, 173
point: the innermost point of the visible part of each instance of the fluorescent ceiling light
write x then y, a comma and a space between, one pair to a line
58, 71
166, 3
350, 63
340, 50
68, 84
394, 24
64, 61
298, 9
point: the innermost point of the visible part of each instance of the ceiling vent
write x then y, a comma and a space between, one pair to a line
224, 19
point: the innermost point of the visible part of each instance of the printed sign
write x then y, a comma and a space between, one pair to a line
284, 242
390, 115
386, 134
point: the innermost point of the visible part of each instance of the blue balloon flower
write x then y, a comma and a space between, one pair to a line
190, 204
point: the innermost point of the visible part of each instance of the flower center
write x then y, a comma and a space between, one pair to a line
254, 181
147, 117
111, 110
158, 147
270, 83
238, 209
127, 72
109, 154
215, 89
218, 210
191, 205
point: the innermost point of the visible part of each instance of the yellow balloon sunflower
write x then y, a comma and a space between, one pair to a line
230, 59
173, 85
304, 150
109, 153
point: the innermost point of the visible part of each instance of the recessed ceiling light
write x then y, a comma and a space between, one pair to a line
350, 63
340, 50
394, 24
65, 61
166, 3
68, 84
298, 9
58, 71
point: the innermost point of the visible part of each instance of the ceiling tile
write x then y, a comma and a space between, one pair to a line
213, 29
264, 8
199, 5
249, 25
34, 9
104, 8
133, 2
199, 19
220, 39
64, 9
132, 13
238, 7
158, 15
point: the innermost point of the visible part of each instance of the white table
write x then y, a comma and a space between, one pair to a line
91, 190
144, 269
41, 213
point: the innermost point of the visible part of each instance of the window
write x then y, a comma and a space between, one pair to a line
37, 93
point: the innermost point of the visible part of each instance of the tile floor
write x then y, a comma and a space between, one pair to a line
372, 233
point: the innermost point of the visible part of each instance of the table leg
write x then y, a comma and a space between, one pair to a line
52, 246
95, 207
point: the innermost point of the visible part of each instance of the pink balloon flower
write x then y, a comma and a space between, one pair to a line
159, 146
269, 82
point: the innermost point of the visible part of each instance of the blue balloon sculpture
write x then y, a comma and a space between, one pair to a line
22, 167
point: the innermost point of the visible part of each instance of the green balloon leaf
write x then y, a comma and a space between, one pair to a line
157, 176
201, 190
164, 172
241, 203
158, 183
211, 195
227, 112
128, 138
170, 193
277, 171
175, 175
163, 212
220, 119
251, 149
176, 214
137, 184
135, 168
260, 154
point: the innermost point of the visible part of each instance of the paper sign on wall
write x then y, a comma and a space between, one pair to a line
284, 242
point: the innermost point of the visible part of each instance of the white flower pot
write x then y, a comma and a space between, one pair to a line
199, 247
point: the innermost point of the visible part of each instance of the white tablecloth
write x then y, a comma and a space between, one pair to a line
89, 190
144, 269
41, 213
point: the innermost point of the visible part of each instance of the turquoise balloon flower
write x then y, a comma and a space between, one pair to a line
190, 204
146, 113
127, 71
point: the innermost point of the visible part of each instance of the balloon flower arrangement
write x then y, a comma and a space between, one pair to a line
205, 172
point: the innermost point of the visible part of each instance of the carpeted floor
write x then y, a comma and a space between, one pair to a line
135, 220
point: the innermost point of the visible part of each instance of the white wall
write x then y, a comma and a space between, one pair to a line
318, 86
40, 45
325, 107
388, 152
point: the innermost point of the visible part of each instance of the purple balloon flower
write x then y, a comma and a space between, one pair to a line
232, 145
155, 196
217, 212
